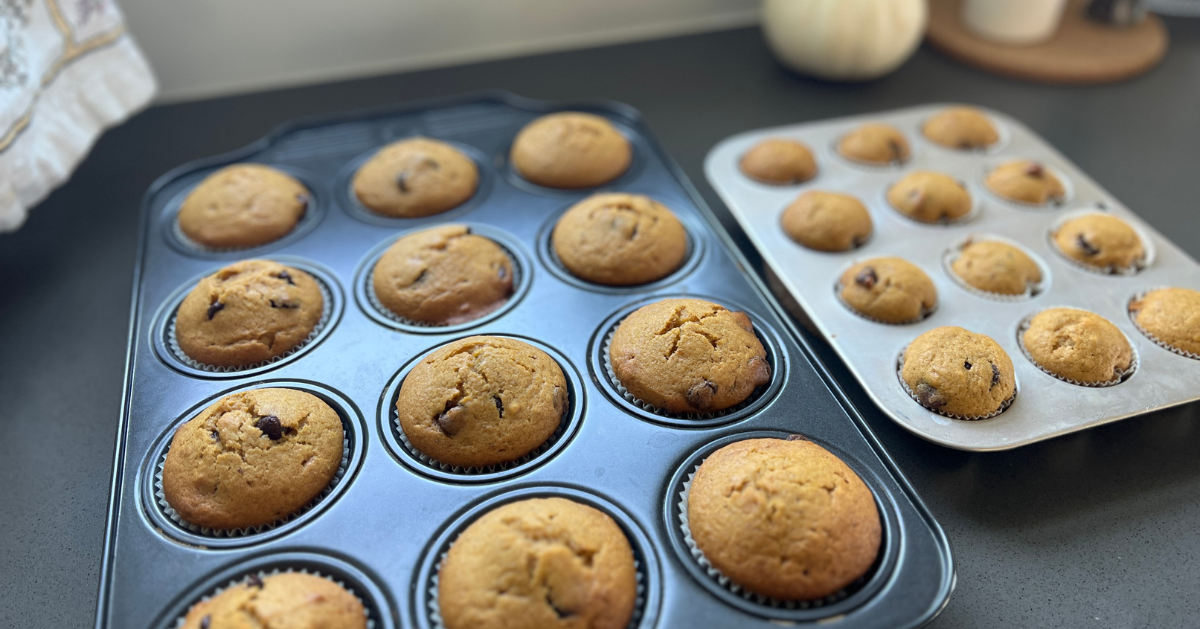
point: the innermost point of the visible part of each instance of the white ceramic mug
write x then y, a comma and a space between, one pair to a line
1013, 22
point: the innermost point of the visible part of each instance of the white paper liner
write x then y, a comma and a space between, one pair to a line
166, 509
925, 312
263, 574
1032, 289
729, 584
179, 354
900, 376
1159, 342
1122, 376
646, 406
1147, 247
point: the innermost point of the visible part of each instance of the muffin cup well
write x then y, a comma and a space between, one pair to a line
1003, 405
1133, 318
1122, 377
1031, 289
925, 312
1147, 247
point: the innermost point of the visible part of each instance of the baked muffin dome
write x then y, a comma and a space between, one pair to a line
291, 600
779, 162
1077, 345
876, 144
688, 356
481, 401
1101, 241
783, 518
570, 150
930, 197
1026, 181
1172, 316
557, 563
620, 240
252, 458
827, 221
965, 128
243, 205
891, 290
996, 267
416, 177
958, 372
443, 276
248, 312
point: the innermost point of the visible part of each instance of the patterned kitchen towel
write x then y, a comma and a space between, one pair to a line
68, 70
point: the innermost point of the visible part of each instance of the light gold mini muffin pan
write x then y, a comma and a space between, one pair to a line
1045, 406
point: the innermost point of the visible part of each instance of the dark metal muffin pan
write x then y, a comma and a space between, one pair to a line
1045, 406
383, 528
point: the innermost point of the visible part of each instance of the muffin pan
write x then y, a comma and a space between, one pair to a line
392, 514
1044, 406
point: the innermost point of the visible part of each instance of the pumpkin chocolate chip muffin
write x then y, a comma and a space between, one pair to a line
1077, 345
291, 600
996, 267
1171, 316
891, 290
688, 356
416, 177
958, 372
620, 240
930, 197
827, 221
876, 144
964, 128
1026, 181
443, 276
539, 563
571, 150
1101, 241
252, 458
783, 518
779, 162
243, 205
248, 312
482, 400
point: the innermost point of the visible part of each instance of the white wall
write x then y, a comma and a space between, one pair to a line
203, 48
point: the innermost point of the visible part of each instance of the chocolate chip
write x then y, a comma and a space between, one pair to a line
561, 613
284, 304
929, 396
796, 438
502, 272
760, 371
216, 436
303, 199
896, 154
967, 364
995, 375
285, 276
270, 427
452, 420
965, 144
866, 278
1086, 246
701, 394
254, 581
214, 308
1034, 169
206, 622
402, 181
499, 404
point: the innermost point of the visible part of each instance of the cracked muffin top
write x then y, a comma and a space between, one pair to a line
783, 518
688, 356
443, 276
996, 267
481, 401
248, 312
416, 177
570, 150
243, 205
1077, 345
252, 458
620, 240
964, 128
876, 144
1171, 316
288, 600
891, 290
958, 372
1026, 181
930, 197
547, 563
1101, 241
827, 221
779, 162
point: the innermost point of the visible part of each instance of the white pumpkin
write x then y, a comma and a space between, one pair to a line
844, 39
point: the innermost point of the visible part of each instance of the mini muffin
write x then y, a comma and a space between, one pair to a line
827, 221
876, 144
779, 162
482, 400
243, 205
1171, 316
252, 458
1026, 181
958, 372
688, 356
1101, 241
964, 128
248, 312
620, 240
891, 290
930, 197
443, 276
1077, 345
291, 600
996, 267
539, 563
571, 150
416, 177
783, 518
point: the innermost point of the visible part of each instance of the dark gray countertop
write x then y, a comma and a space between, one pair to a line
1096, 529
